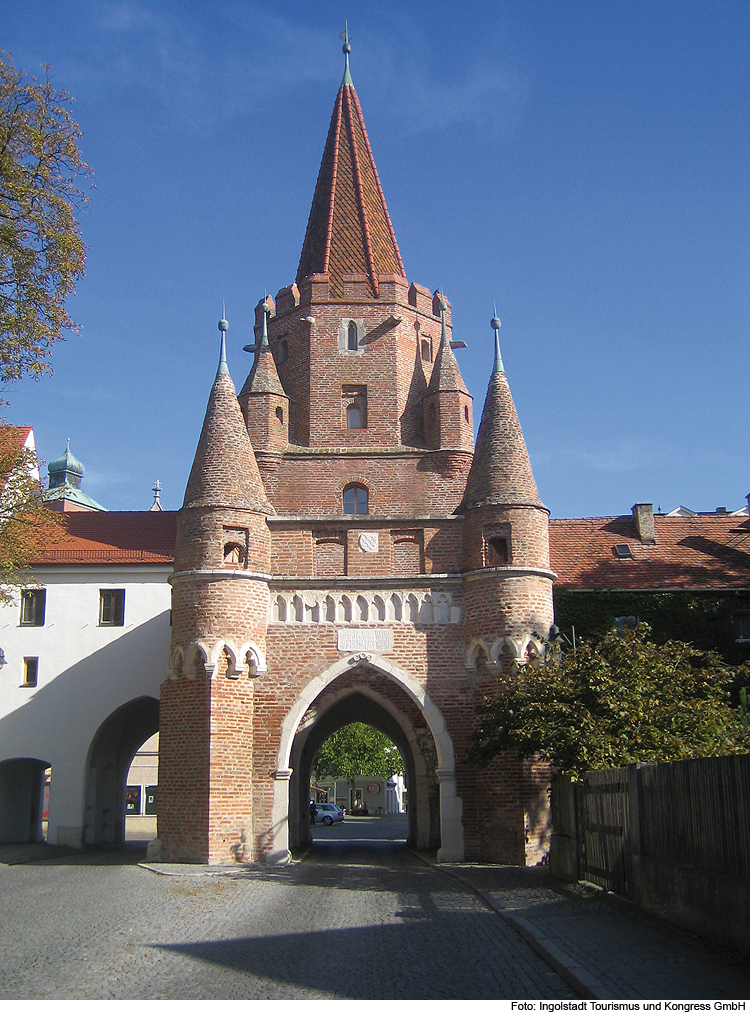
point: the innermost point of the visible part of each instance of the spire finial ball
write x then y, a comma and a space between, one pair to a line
443, 303
223, 325
266, 306
495, 323
347, 47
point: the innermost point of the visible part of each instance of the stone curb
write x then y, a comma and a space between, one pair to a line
586, 985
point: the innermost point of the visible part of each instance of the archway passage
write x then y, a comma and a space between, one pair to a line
359, 770
110, 757
365, 694
22, 784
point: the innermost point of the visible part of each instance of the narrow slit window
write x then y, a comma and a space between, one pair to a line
351, 336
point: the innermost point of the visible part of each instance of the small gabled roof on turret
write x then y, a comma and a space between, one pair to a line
446, 374
263, 377
225, 472
500, 472
349, 231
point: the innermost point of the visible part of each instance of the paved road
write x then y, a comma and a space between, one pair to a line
358, 920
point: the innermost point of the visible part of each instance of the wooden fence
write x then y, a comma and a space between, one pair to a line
674, 838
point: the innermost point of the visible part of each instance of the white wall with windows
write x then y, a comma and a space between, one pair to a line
89, 640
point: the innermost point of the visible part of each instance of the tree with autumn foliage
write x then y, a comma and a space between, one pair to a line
357, 751
42, 254
613, 703
27, 527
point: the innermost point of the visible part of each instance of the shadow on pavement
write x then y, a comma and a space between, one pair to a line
367, 962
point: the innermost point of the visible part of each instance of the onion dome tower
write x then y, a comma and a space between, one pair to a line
506, 535
219, 624
64, 492
447, 404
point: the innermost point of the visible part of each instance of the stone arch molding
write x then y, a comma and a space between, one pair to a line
451, 806
528, 648
198, 654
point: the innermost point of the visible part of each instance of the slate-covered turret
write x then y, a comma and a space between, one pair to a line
219, 624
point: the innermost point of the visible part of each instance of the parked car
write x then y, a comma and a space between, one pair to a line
328, 813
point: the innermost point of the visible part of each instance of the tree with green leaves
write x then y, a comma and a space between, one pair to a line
357, 751
42, 254
613, 703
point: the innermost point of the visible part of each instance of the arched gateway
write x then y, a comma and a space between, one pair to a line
331, 568
364, 687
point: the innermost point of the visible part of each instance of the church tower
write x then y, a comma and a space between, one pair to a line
219, 625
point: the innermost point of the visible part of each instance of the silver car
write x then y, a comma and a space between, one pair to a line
328, 813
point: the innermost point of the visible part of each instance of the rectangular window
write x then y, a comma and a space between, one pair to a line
150, 804
30, 672
33, 602
112, 607
132, 799
742, 626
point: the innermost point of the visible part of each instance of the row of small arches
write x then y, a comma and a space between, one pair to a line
529, 649
429, 609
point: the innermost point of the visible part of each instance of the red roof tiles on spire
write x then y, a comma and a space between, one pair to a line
500, 471
349, 231
225, 472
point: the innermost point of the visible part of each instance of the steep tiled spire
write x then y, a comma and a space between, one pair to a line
500, 471
349, 231
225, 472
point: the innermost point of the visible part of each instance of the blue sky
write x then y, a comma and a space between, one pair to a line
583, 164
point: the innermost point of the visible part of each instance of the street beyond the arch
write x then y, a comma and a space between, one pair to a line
361, 917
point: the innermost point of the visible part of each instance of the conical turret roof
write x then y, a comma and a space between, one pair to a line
500, 470
225, 472
349, 231
263, 377
446, 374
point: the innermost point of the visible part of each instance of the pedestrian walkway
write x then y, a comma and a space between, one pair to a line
603, 946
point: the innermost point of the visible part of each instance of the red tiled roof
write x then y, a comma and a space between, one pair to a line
122, 537
707, 551
349, 231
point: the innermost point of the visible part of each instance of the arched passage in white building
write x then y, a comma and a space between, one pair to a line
109, 759
22, 800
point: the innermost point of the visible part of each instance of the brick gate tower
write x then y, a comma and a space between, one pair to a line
344, 554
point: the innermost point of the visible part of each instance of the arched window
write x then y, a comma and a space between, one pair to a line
355, 500
353, 416
351, 336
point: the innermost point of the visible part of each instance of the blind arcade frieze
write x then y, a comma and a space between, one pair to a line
421, 607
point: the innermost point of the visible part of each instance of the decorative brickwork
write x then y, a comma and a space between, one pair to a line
344, 554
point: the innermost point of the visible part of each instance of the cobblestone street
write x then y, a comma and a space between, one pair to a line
352, 921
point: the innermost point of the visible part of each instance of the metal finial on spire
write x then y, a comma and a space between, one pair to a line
264, 344
443, 327
347, 48
156, 505
223, 368
495, 325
